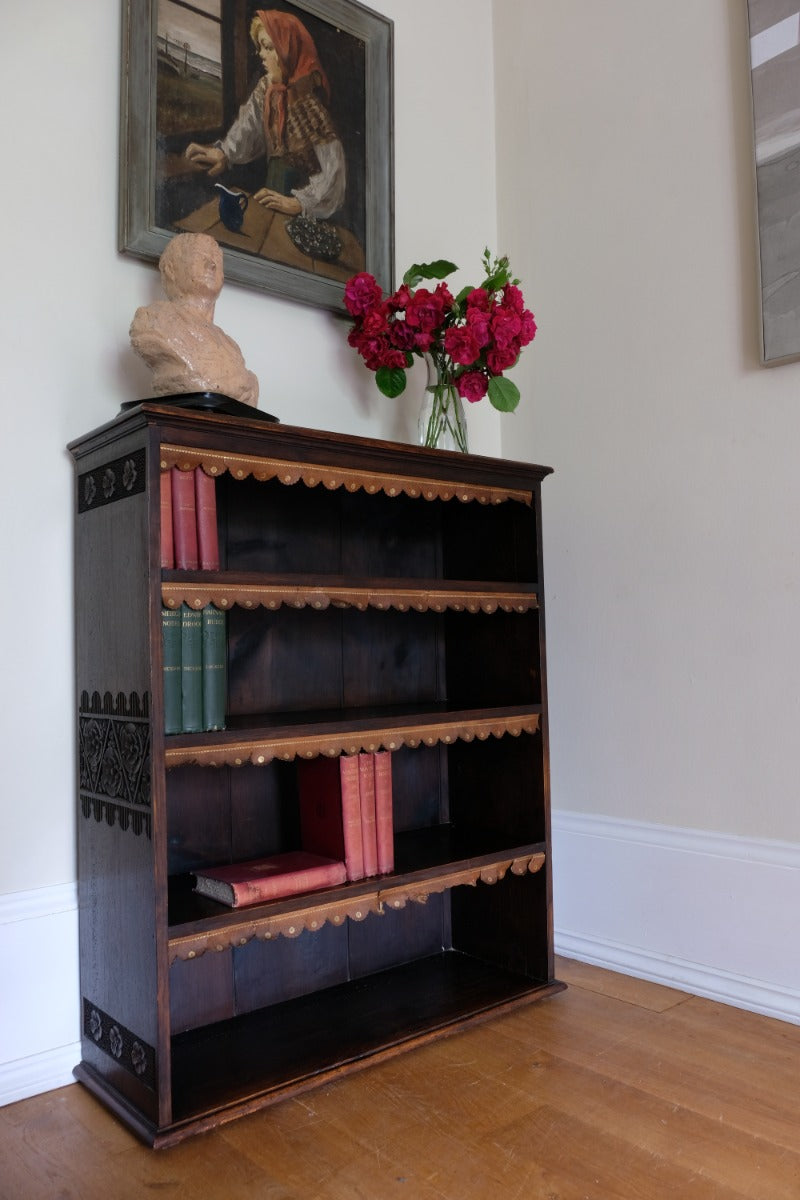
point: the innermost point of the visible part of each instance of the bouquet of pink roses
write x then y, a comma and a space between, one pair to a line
473, 338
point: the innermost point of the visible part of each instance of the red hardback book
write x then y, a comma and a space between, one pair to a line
366, 792
167, 547
269, 878
384, 824
330, 815
205, 497
184, 520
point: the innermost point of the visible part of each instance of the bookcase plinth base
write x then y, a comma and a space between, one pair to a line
322, 1038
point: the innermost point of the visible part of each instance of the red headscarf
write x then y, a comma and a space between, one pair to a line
298, 57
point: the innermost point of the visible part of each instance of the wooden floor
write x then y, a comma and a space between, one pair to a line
614, 1088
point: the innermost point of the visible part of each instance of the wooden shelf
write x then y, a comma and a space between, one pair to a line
198, 925
314, 474
237, 746
224, 591
253, 1060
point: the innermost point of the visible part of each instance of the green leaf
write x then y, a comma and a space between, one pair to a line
503, 394
391, 381
465, 291
434, 270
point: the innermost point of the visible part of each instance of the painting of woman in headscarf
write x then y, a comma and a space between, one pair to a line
262, 120
285, 121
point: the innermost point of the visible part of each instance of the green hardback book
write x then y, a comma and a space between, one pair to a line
171, 639
191, 669
214, 673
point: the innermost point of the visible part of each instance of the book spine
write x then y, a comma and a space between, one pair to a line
384, 823
171, 643
191, 670
351, 816
366, 792
205, 497
167, 544
184, 520
290, 883
214, 668
320, 800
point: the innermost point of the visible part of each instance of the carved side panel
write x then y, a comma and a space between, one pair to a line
124, 1047
112, 481
114, 760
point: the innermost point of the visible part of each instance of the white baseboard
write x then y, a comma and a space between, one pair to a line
39, 1014
712, 914
38, 1073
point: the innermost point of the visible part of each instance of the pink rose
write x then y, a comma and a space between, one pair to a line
361, 294
425, 310
472, 386
402, 335
461, 345
374, 322
500, 358
400, 299
478, 299
478, 323
393, 358
444, 294
528, 330
505, 326
512, 298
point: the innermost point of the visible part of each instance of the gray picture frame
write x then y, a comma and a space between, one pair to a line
147, 223
774, 61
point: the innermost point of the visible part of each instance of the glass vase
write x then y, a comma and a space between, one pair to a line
442, 423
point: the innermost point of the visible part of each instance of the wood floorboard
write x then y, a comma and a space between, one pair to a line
616, 1089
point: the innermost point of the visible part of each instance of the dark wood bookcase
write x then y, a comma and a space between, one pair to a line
378, 596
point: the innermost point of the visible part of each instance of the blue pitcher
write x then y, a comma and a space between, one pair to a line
232, 207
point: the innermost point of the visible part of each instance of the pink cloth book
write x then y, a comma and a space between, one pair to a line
330, 810
269, 878
167, 546
205, 496
384, 824
366, 792
184, 520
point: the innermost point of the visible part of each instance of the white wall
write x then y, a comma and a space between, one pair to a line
64, 314
672, 557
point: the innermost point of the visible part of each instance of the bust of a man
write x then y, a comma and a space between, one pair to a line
177, 337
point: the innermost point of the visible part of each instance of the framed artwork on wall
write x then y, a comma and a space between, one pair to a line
774, 28
270, 129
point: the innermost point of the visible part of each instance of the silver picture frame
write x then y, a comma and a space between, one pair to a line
774, 58
178, 90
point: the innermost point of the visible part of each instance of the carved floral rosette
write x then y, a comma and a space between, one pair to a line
312, 917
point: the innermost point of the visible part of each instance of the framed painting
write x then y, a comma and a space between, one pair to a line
774, 27
269, 129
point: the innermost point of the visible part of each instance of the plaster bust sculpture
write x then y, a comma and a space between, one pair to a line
177, 337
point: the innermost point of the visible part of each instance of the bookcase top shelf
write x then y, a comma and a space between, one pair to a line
240, 466
233, 747
225, 591
310, 912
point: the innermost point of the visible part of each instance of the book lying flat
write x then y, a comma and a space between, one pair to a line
269, 878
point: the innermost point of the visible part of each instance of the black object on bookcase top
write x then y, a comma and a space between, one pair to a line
212, 402
378, 597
